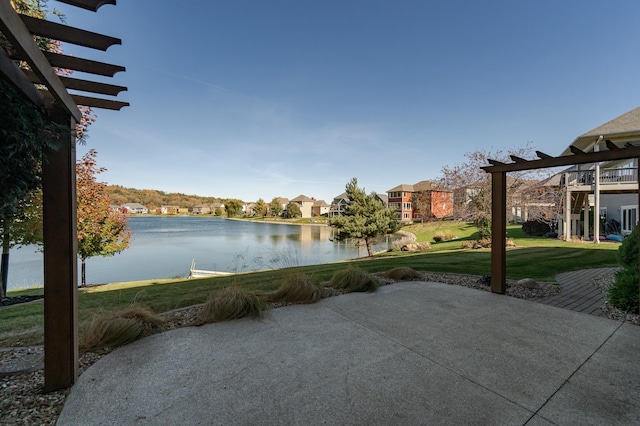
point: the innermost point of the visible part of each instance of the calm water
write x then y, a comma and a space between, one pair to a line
163, 247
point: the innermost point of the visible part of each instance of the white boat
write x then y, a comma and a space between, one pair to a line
201, 273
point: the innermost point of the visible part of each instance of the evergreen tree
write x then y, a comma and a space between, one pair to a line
366, 218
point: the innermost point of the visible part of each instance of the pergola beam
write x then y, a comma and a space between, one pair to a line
82, 85
60, 32
92, 5
21, 39
583, 158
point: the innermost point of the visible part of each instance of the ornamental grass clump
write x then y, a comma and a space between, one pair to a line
623, 293
297, 288
111, 330
401, 273
231, 303
354, 279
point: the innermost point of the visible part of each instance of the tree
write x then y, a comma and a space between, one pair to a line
275, 208
293, 210
102, 231
233, 207
366, 218
472, 186
260, 208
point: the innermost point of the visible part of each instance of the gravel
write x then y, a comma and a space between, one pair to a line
22, 401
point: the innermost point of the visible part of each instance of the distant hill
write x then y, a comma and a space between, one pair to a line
153, 199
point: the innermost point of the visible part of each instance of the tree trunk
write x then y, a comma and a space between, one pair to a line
367, 242
4, 266
83, 282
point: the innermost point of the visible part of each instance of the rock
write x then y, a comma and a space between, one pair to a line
529, 283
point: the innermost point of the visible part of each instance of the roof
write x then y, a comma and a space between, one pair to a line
321, 203
621, 130
383, 197
403, 187
134, 205
342, 196
302, 198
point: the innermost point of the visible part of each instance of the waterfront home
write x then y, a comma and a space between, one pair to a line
424, 200
320, 208
305, 204
201, 209
134, 208
602, 196
170, 210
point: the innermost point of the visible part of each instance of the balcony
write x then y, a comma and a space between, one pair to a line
618, 179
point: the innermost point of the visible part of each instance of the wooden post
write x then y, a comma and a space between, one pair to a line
498, 232
60, 260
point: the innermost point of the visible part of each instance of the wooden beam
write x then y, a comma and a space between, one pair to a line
498, 232
83, 85
494, 162
576, 150
56, 31
584, 158
60, 240
610, 145
542, 155
83, 65
517, 159
99, 103
14, 74
21, 39
92, 5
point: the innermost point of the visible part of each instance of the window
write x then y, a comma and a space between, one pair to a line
603, 214
406, 216
629, 216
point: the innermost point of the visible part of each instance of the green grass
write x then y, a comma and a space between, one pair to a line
535, 257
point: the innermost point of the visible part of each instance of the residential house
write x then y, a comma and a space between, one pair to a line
217, 209
201, 209
320, 208
338, 205
248, 208
170, 210
422, 201
602, 197
341, 202
305, 204
134, 208
284, 203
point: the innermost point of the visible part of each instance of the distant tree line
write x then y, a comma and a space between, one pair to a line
153, 199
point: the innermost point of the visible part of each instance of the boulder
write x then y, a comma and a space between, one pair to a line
528, 283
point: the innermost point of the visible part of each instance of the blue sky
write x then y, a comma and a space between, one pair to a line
256, 99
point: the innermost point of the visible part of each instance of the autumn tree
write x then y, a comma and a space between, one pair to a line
366, 218
260, 208
102, 231
233, 207
275, 208
293, 210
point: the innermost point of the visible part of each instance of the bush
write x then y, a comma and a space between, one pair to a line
120, 328
297, 288
628, 251
535, 228
623, 294
231, 303
402, 273
443, 236
354, 279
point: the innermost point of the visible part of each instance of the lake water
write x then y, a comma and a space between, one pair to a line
163, 247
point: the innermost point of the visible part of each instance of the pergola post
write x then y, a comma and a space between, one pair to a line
498, 232
60, 260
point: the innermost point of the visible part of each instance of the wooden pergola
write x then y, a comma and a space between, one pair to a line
499, 172
45, 89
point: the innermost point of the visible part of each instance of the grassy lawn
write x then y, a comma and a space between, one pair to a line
534, 257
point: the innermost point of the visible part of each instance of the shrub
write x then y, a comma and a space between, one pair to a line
402, 273
120, 328
354, 279
623, 294
628, 250
443, 236
535, 228
297, 288
231, 303
398, 244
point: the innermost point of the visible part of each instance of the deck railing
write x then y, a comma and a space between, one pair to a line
607, 176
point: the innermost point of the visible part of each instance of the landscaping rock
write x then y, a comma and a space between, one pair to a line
529, 283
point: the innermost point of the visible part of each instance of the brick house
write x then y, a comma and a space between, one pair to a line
424, 200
